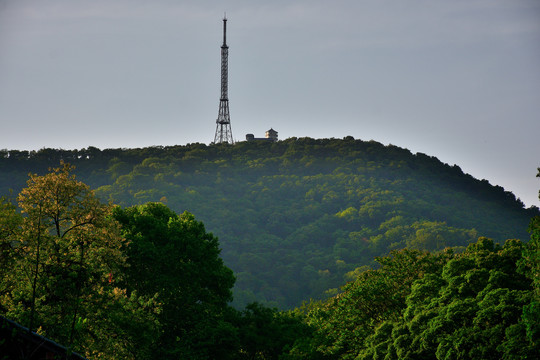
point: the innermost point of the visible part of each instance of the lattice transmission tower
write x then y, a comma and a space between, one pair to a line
223, 122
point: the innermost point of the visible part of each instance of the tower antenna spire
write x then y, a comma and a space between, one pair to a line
223, 122
225, 29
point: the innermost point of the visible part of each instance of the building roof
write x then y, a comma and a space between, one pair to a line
21, 343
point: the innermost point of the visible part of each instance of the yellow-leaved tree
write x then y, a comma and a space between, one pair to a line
68, 257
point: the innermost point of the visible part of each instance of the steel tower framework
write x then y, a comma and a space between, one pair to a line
223, 122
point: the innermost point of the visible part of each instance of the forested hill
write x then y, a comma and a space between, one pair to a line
296, 217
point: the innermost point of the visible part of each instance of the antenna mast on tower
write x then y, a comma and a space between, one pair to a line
223, 122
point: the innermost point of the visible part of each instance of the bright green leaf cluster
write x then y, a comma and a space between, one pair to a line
478, 304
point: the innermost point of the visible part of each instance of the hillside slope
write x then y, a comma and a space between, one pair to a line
296, 216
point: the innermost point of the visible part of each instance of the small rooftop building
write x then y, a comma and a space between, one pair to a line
270, 135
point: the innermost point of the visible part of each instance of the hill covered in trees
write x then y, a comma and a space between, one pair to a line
300, 217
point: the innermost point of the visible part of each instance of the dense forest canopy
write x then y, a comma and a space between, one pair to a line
296, 218
145, 282
479, 304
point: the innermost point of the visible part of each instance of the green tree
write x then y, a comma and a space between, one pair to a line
475, 305
266, 333
174, 258
470, 310
375, 297
531, 266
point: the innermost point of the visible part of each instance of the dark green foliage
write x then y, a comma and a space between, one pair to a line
295, 216
530, 265
174, 258
266, 333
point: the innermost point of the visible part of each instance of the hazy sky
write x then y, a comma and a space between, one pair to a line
459, 80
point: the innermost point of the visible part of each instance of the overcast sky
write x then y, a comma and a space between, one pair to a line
459, 80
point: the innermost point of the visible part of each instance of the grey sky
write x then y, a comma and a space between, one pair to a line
459, 80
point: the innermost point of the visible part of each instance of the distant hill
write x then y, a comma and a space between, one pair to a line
296, 217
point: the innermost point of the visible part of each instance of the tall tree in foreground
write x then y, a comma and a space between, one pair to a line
173, 257
67, 255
